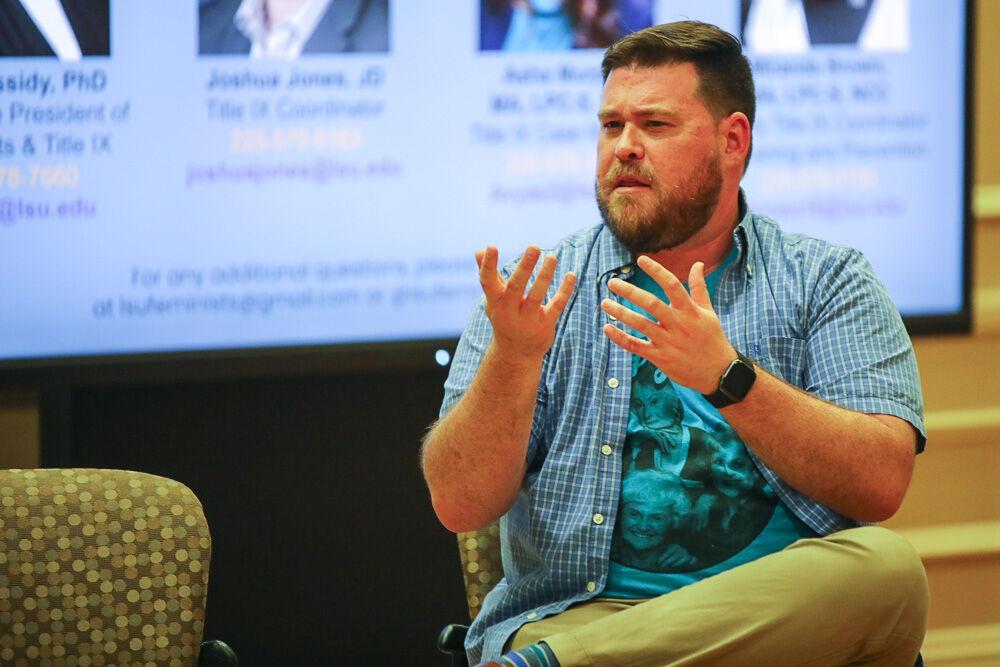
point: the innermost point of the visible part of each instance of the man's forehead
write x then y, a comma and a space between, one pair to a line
673, 72
665, 86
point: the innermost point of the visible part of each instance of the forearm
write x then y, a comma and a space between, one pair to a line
474, 457
857, 464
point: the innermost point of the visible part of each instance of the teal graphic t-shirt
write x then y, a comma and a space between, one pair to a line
693, 504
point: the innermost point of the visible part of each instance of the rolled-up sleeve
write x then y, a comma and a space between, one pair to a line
859, 355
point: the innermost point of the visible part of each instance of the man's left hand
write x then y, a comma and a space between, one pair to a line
684, 339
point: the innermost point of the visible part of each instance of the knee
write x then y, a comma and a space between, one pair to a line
885, 550
890, 567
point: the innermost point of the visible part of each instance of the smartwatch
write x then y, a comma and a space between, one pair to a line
734, 384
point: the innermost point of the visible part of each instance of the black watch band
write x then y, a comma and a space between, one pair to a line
734, 384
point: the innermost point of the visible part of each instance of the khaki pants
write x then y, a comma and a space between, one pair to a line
856, 596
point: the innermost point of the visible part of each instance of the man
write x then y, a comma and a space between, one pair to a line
823, 394
286, 29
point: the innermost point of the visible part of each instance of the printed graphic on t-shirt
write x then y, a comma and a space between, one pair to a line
691, 496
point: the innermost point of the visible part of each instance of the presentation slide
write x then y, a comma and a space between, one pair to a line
204, 175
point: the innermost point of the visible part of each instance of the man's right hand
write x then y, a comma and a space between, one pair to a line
523, 326
474, 458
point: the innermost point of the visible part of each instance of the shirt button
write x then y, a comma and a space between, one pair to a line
613, 383
626, 270
598, 519
606, 450
532, 614
591, 586
612, 318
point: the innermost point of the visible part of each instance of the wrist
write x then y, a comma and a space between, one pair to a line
721, 365
515, 356
734, 383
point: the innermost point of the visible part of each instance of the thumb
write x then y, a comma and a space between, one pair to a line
699, 290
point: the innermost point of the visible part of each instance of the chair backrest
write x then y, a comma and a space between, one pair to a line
100, 567
481, 566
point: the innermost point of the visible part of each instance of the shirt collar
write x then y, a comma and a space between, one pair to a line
249, 18
299, 26
51, 20
743, 237
615, 256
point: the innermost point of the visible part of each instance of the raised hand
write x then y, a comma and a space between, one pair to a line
684, 339
523, 325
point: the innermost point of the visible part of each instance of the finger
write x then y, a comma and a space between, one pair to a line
699, 290
558, 302
650, 303
489, 277
519, 279
672, 560
628, 342
542, 281
637, 322
673, 287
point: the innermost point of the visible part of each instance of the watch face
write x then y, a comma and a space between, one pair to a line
738, 379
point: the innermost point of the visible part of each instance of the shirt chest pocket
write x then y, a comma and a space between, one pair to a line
785, 357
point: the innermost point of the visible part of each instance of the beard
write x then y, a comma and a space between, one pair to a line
674, 215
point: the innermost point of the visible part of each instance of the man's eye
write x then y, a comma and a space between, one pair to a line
657, 123
611, 124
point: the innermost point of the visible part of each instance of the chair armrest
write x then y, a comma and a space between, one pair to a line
452, 639
215, 653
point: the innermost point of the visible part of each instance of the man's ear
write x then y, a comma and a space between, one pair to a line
735, 132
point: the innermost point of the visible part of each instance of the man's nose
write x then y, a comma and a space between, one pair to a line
629, 146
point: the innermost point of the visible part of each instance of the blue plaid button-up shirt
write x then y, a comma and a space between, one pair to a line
809, 312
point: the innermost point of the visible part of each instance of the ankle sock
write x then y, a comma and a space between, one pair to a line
532, 655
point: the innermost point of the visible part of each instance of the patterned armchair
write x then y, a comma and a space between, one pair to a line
103, 567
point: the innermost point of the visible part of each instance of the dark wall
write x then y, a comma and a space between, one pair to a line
325, 547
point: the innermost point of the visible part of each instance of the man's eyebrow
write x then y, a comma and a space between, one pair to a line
655, 110
648, 110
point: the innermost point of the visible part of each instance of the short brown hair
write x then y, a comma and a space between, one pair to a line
726, 82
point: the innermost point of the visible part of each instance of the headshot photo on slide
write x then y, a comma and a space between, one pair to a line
559, 25
65, 29
795, 26
287, 29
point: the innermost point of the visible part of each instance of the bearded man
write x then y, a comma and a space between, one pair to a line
789, 342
